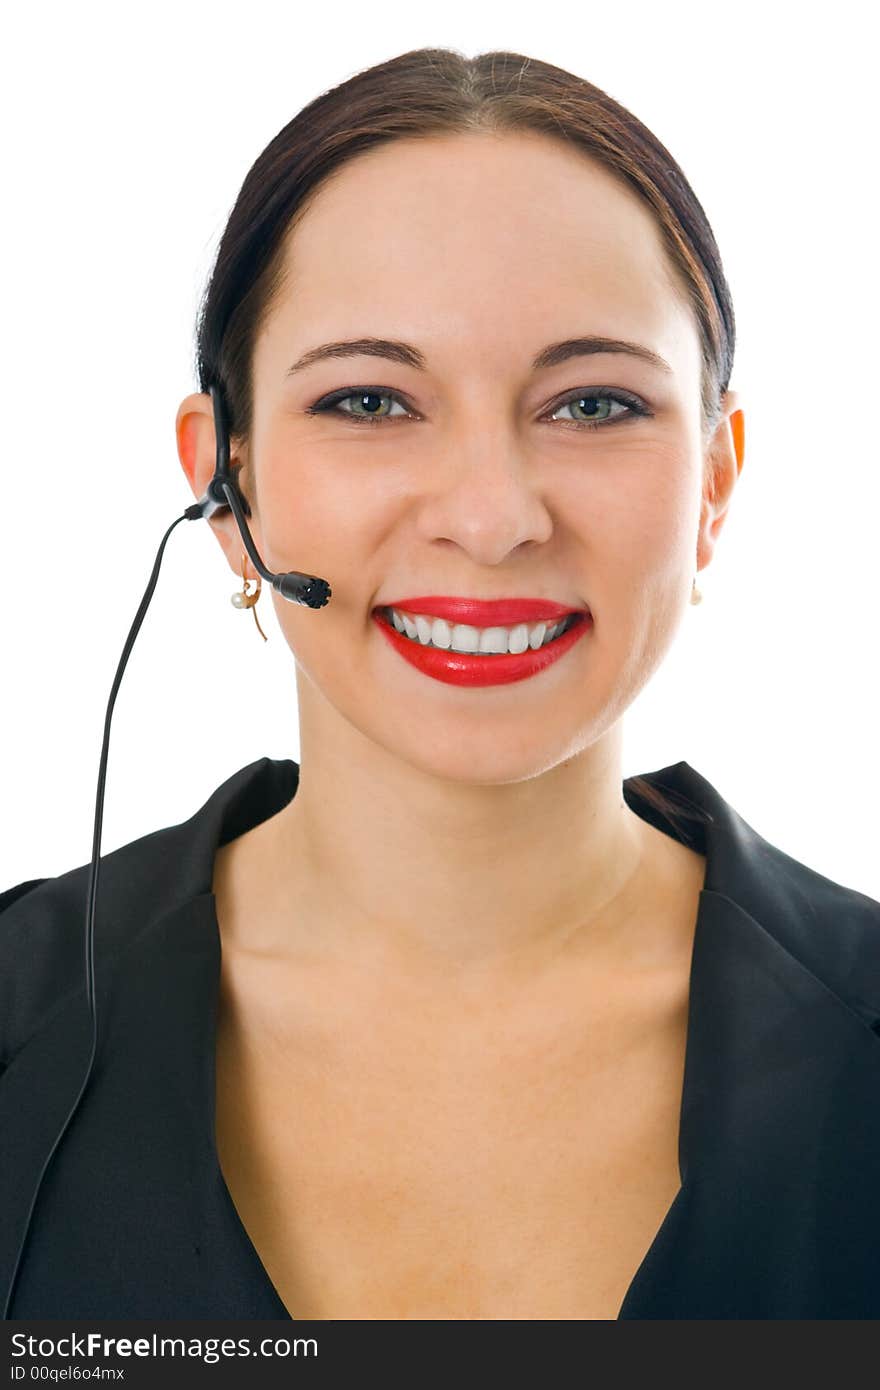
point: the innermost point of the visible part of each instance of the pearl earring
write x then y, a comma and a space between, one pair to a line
696, 596
243, 599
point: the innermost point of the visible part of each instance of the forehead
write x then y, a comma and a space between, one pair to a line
479, 235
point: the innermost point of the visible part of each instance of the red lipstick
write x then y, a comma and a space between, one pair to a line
500, 612
463, 668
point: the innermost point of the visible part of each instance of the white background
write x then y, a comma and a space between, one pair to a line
126, 136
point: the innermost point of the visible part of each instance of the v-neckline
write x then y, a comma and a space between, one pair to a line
684, 1136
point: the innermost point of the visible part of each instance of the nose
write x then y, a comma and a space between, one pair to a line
485, 496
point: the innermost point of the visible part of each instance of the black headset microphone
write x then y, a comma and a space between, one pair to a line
308, 589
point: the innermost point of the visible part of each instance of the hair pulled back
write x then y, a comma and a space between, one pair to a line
439, 92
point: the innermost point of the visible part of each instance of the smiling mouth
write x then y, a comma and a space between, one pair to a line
470, 640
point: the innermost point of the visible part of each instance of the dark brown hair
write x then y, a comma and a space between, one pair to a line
439, 91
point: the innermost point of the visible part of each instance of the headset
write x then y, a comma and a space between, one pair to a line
223, 491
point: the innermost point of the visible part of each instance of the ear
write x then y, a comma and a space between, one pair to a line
721, 469
197, 450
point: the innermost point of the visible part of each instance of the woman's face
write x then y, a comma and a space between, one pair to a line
481, 477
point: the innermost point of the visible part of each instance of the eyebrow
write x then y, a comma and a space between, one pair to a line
409, 356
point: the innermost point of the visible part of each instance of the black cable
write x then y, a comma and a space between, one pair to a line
93, 888
221, 493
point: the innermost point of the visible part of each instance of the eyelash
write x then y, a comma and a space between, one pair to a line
328, 405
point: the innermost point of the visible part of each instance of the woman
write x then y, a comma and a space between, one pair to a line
447, 1020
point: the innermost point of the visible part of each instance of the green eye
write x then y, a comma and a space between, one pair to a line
366, 406
589, 403
364, 398
590, 400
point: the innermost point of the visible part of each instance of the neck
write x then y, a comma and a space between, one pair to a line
376, 857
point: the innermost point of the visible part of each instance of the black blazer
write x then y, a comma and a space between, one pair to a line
778, 1214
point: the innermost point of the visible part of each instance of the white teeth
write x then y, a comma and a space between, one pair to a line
462, 637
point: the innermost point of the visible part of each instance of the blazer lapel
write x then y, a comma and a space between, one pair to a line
779, 1212
779, 1209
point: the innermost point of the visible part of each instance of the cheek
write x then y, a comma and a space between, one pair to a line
314, 517
638, 537
640, 515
